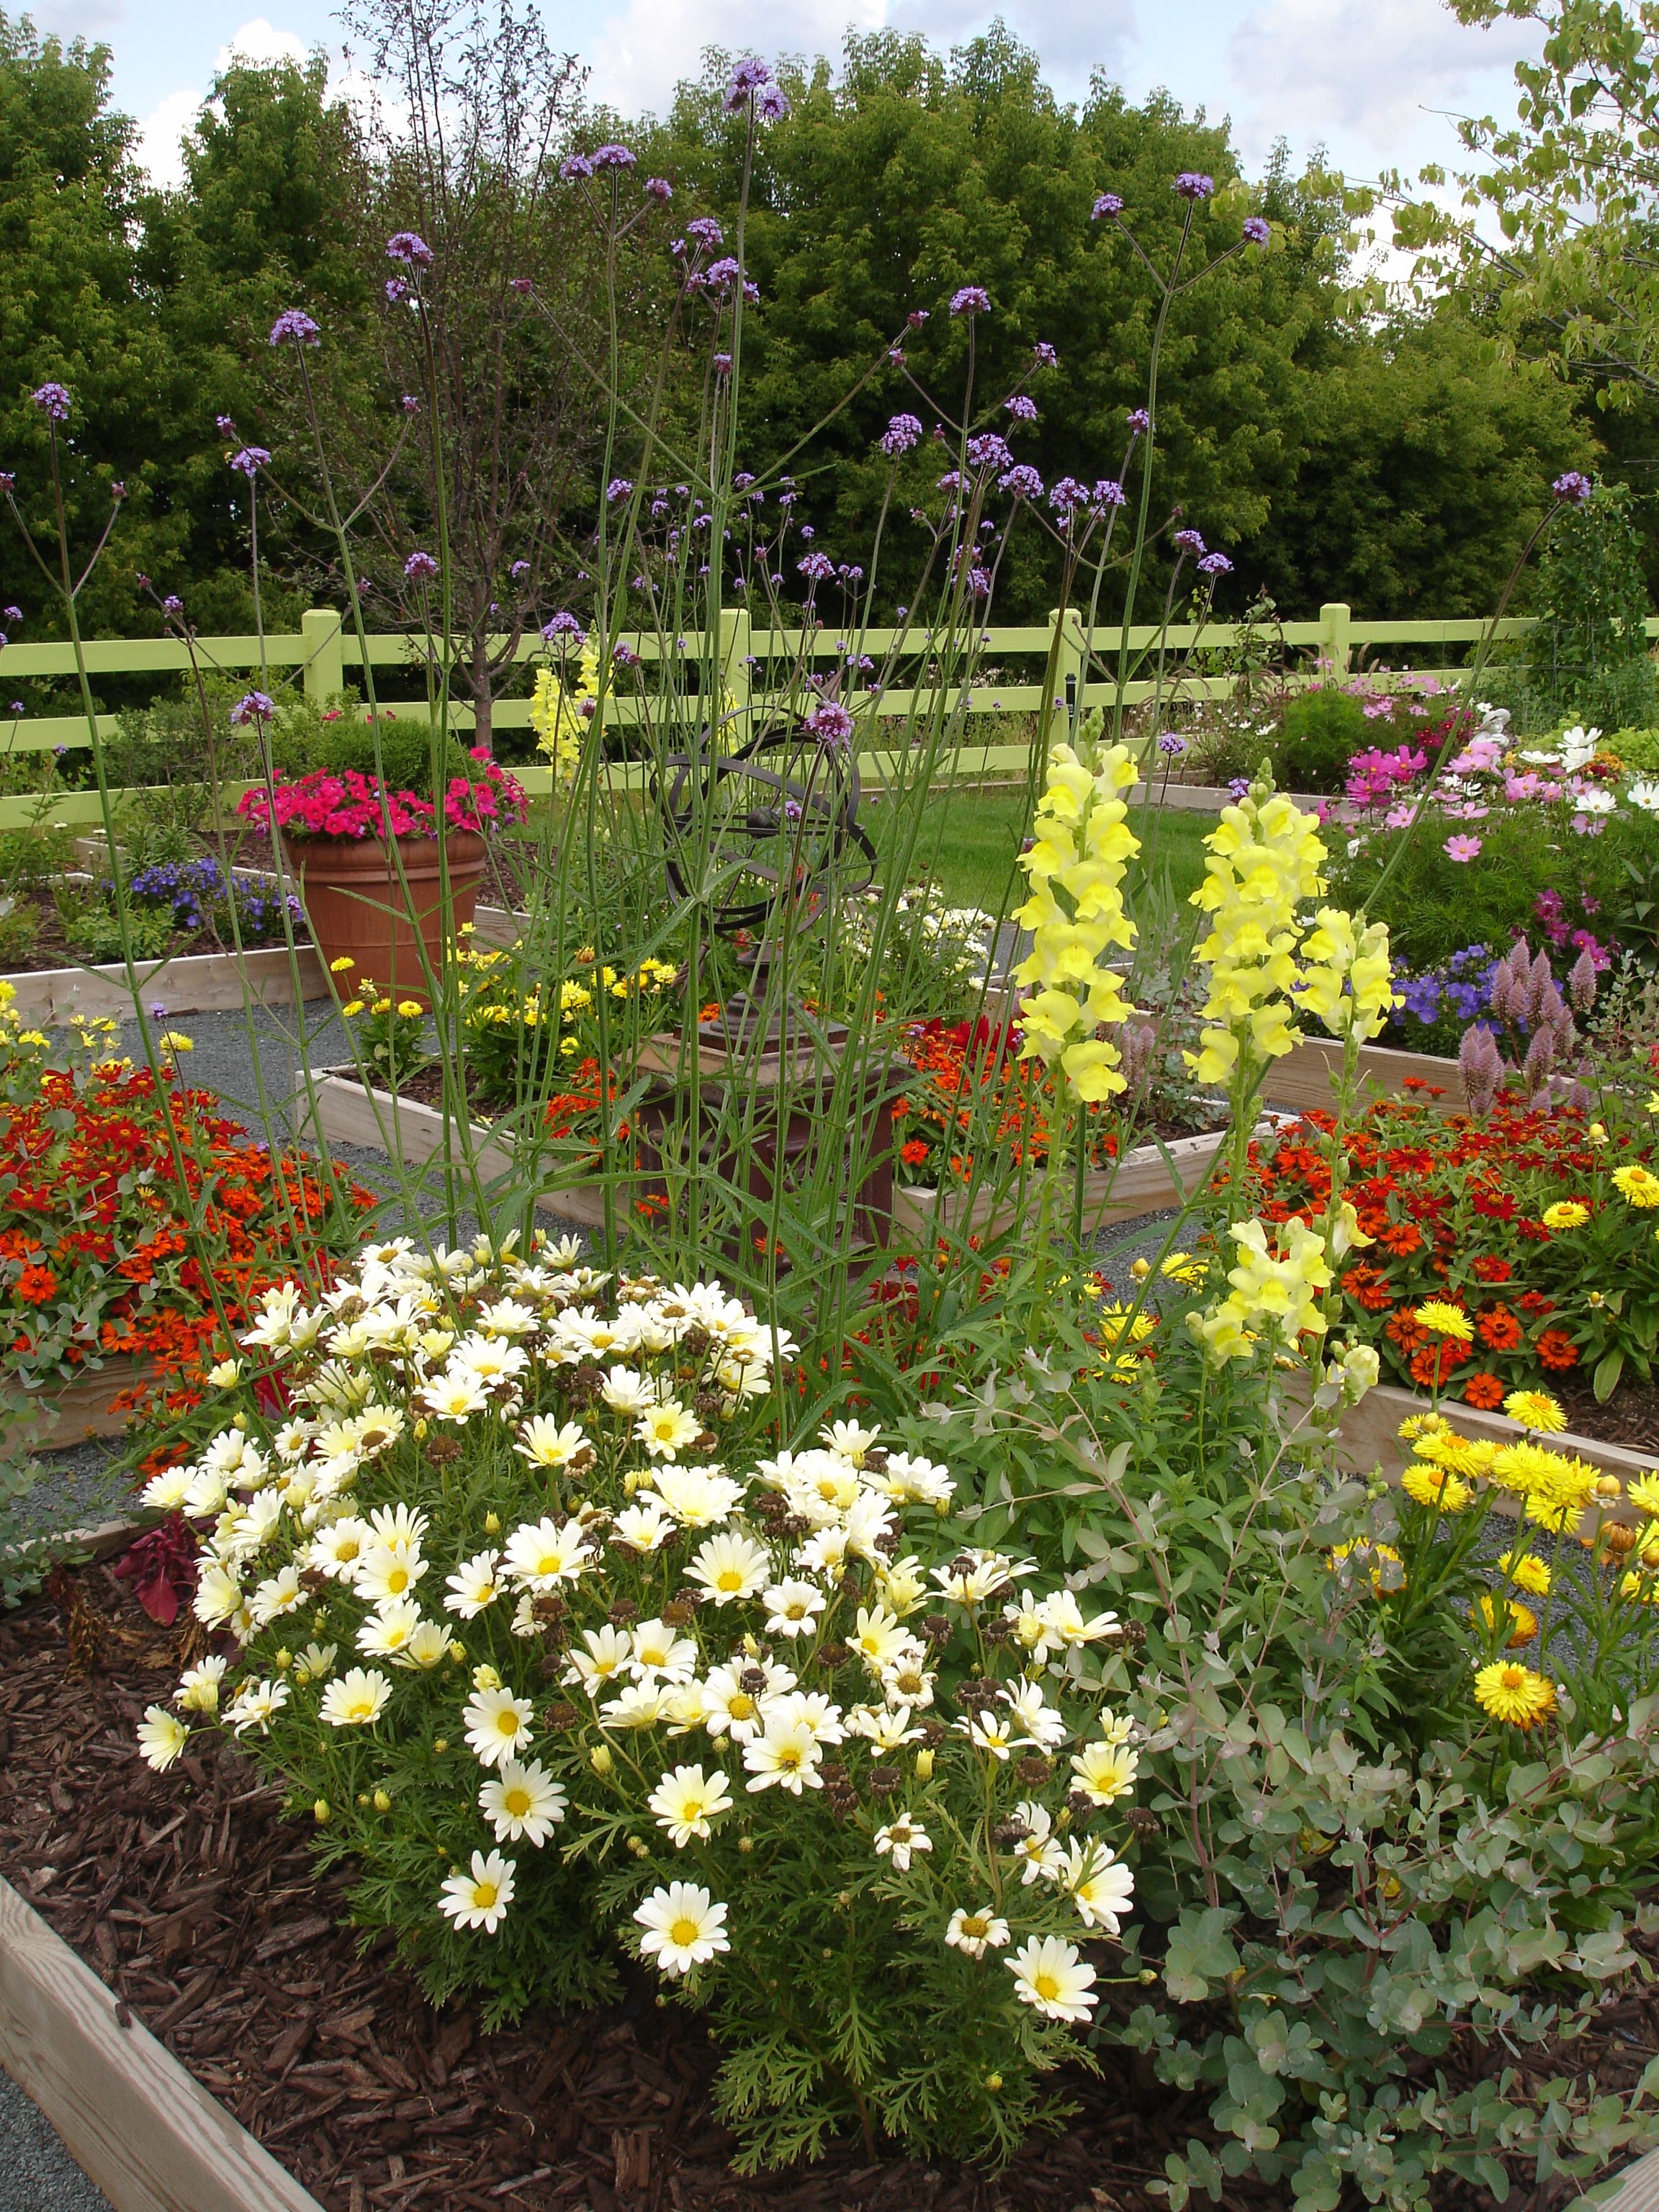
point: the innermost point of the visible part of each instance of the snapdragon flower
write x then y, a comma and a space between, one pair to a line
1080, 850
1264, 861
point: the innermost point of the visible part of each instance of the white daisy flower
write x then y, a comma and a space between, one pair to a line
785, 1756
977, 1932
609, 1650
473, 1585
522, 1802
1043, 1726
198, 1687
698, 1497
545, 1442
479, 1898
793, 1608
687, 1802
387, 1573
390, 1630
355, 1698
337, 1551
1105, 1772
455, 1397
1100, 1885
1039, 1850
497, 1724
161, 1736
666, 1428
662, 1651
542, 1556
1050, 1975
314, 1661
899, 1839
684, 1928
255, 1705
730, 1566
277, 1594
643, 1528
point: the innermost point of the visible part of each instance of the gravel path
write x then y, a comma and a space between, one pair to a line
37, 2174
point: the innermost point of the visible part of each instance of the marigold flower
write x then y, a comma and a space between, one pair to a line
1514, 1693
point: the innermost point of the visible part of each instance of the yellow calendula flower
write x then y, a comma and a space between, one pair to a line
1514, 1693
1445, 1320
1565, 1213
1433, 1486
1520, 1620
1535, 1410
1636, 1184
1526, 1572
1643, 1492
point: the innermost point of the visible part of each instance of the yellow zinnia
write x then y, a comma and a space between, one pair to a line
1514, 1693
1565, 1213
1444, 1319
1535, 1410
1636, 1184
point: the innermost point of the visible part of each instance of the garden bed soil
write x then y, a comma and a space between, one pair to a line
1629, 1417
196, 1902
52, 949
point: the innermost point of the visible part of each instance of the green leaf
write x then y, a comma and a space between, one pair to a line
1200, 1951
1608, 1369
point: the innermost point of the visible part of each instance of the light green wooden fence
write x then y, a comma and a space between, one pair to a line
325, 656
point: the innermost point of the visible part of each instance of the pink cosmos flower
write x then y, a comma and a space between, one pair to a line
1462, 848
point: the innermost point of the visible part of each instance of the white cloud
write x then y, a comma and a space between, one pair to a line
642, 52
260, 41
1371, 71
161, 136
161, 132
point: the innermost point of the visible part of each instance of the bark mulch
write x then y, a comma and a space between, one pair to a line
1630, 1416
199, 1905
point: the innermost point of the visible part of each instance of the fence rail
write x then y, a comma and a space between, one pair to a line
322, 653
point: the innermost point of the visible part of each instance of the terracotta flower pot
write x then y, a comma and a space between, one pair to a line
358, 908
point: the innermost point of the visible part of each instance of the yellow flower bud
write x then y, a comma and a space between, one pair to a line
382, 1803
924, 1765
492, 1524
322, 1813
441, 1745
601, 1760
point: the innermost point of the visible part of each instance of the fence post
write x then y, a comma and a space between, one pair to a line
735, 671
1336, 635
325, 667
1067, 659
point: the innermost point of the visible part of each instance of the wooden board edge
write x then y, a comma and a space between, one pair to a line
56, 995
138, 2124
1635, 2190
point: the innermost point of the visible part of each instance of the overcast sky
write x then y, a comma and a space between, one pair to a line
1373, 81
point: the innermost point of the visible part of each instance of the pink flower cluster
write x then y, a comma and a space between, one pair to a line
347, 804
1372, 777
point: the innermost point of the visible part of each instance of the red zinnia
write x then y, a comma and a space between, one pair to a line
1485, 1391
1557, 1349
1499, 1328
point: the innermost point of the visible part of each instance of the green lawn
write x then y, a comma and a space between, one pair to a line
969, 841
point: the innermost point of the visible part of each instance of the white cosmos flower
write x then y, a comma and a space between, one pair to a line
478, 1899
548, 1553
666, 1428
473, 1585
644, 1527
255, 1705
977, 1932
609, 1650
1645, 794
389, 1630
198, 1687
899, 1839
455, 1397
522, 1802
683, 1927
161, 1736
1044, 1728
1105, 1772
793, 1608
1050, 1975
545, 1442
355, 1698
662, 1651
687, 1802
497, 1724
785, 1756
730, 1566
697, 1497
387, 1573
1101, 1886
277, 1594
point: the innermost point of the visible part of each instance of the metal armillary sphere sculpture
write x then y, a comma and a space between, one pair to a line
773, 826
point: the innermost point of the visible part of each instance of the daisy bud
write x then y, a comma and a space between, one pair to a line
924, 1765
322, 1813
601, 1760
382, 1803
